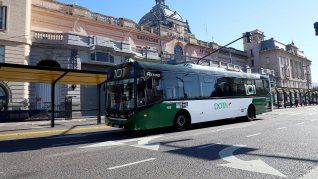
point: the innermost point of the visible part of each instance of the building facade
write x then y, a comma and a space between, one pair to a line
50, 33
292, 69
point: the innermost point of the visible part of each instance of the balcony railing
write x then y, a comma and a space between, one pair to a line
42, 36
61, 39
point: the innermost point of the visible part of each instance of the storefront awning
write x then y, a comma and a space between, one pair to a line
25, 73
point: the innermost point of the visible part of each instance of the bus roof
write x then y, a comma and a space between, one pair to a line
193, 68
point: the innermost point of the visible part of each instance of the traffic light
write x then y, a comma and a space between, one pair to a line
248, 37
316, 27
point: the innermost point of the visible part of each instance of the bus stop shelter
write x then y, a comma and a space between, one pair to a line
53, 76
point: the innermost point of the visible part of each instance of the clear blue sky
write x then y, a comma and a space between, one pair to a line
224, 21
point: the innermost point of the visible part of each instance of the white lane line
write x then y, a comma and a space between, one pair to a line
129, 164
281, 128
206, 146
311, 175
38, 127
301, 123
314, 120
253, 135
69, 143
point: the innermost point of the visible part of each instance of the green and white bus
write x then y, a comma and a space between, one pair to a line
145, 95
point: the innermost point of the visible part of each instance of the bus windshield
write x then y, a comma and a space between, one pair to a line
120, 95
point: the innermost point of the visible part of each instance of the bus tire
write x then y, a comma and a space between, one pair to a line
251, 114
182, 121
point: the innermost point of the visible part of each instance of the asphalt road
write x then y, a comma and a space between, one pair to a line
280, 144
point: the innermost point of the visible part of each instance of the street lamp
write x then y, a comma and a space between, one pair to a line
316, 28
308, 80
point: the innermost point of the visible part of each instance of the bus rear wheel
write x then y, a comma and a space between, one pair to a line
181, 122
250, 114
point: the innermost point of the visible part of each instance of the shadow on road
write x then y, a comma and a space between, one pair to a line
209, 153
30, 144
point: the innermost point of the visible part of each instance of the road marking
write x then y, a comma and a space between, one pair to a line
129, 164
207, 146
281, 128
253, 166
38, 127
311, 175
314, 120
145, 143
253, 135
301, 123
295, 114
142, 142
51, 132
70, 143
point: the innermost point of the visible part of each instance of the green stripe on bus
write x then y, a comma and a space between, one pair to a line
260, 105
157, 116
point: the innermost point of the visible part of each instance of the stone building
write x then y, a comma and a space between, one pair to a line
50, 33
15, 45
292, 79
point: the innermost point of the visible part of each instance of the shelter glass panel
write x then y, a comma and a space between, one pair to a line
1, 54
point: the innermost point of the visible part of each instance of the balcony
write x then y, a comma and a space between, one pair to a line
61, 39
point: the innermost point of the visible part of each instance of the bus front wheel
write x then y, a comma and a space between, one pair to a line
182, 121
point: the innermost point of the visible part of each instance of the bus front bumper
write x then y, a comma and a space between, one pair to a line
116, 122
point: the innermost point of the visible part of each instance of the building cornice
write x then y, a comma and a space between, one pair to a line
285, 52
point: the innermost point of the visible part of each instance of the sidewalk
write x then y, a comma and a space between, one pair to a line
42, 128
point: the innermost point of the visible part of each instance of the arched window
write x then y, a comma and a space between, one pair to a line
3, 99
178, 52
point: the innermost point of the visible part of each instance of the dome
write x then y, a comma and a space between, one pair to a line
160, 12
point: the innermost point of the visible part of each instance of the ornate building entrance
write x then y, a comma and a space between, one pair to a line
3, 99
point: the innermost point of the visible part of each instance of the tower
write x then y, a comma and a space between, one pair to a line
160, 2
253, 48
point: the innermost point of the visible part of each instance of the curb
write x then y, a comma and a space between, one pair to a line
52, 132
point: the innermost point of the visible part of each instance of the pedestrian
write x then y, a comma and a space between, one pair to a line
296, 103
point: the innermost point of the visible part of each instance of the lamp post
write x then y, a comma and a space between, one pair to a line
308, 80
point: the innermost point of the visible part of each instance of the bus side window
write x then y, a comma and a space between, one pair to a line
169, 85
192, 86
207, 85
224, 87
239, 87
260, 90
